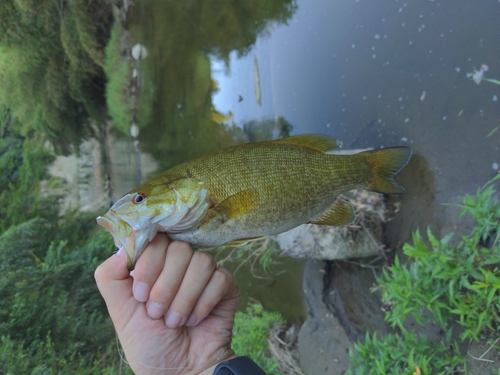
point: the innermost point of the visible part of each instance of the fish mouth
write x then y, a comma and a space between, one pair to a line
107, 223
123, 235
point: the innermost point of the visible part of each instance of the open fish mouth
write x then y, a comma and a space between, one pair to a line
107, 223
123, 235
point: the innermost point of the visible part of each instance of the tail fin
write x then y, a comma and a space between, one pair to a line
384, 164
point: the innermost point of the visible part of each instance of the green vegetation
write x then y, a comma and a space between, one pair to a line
52, 318
442, 284
22, 162
61, 63
119, 71
251, 329
51, 58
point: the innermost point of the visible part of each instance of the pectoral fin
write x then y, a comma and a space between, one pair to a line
341, 213
237, 205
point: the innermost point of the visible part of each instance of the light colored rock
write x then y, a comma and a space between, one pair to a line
362, 239
84, 185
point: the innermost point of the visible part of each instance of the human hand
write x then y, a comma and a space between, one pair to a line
175, 314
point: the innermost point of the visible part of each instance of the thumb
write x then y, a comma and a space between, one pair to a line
115, 284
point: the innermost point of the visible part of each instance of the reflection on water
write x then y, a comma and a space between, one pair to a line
279, 289
372, 74
180, 37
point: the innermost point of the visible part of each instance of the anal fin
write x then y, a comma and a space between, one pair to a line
242, 241
341, 213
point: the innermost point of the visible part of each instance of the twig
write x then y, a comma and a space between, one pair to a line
370, 235
362, 265
480, 359
486, 352
491, 346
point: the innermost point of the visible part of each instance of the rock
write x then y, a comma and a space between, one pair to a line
362, 239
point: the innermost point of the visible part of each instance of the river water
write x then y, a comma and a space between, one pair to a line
371, 73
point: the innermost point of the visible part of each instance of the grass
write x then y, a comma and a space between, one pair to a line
443, 284
250, 333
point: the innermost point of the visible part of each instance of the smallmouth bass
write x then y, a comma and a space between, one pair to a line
245, 192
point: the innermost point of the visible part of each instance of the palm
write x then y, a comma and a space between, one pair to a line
184, 350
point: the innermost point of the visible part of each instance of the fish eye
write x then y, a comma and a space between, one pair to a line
138, 198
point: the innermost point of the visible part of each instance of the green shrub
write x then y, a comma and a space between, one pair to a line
50, 300
50, 66
251, 329
23, 162
52, 318
407, 353
440, 283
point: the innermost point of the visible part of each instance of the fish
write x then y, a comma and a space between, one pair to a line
241, 193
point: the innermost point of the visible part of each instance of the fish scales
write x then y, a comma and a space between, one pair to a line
293, 179
252, 190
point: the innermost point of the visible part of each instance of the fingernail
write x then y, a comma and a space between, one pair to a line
121, 252
141, 292
155, 311
191, 320
173, 320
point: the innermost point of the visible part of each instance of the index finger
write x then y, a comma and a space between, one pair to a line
149, 266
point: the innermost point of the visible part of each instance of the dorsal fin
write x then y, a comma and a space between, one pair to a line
316, 142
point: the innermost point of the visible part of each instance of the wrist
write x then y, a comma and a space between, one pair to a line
210, 370
238, 366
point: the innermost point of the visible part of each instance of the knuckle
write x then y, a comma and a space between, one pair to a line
98, 274
220, 277
183, 307
204, 259
204, 306
147, 272
163, 294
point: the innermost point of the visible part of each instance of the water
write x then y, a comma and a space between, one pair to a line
373, 74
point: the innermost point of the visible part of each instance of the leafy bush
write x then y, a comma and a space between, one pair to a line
49, 304
22, 162
440, 283
251, 329
407, 353
51, 57
52, 318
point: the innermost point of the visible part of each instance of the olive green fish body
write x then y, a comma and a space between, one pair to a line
265, 188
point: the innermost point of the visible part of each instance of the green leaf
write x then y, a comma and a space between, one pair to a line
491, 295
